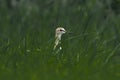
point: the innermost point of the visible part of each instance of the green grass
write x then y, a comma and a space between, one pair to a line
90, 52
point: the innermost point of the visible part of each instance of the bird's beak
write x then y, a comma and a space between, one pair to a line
65, 31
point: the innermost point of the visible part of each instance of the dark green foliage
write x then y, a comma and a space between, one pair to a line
90, 52
116, 6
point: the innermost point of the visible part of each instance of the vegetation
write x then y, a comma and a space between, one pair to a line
90, 52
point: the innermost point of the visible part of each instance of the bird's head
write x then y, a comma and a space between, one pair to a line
60, 31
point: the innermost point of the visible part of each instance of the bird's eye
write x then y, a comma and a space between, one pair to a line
61, 30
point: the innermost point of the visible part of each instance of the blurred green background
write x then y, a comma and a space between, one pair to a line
90, 52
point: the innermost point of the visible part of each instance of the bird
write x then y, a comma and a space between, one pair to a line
58, 34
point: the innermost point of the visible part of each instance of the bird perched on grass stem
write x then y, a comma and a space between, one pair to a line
58, 34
